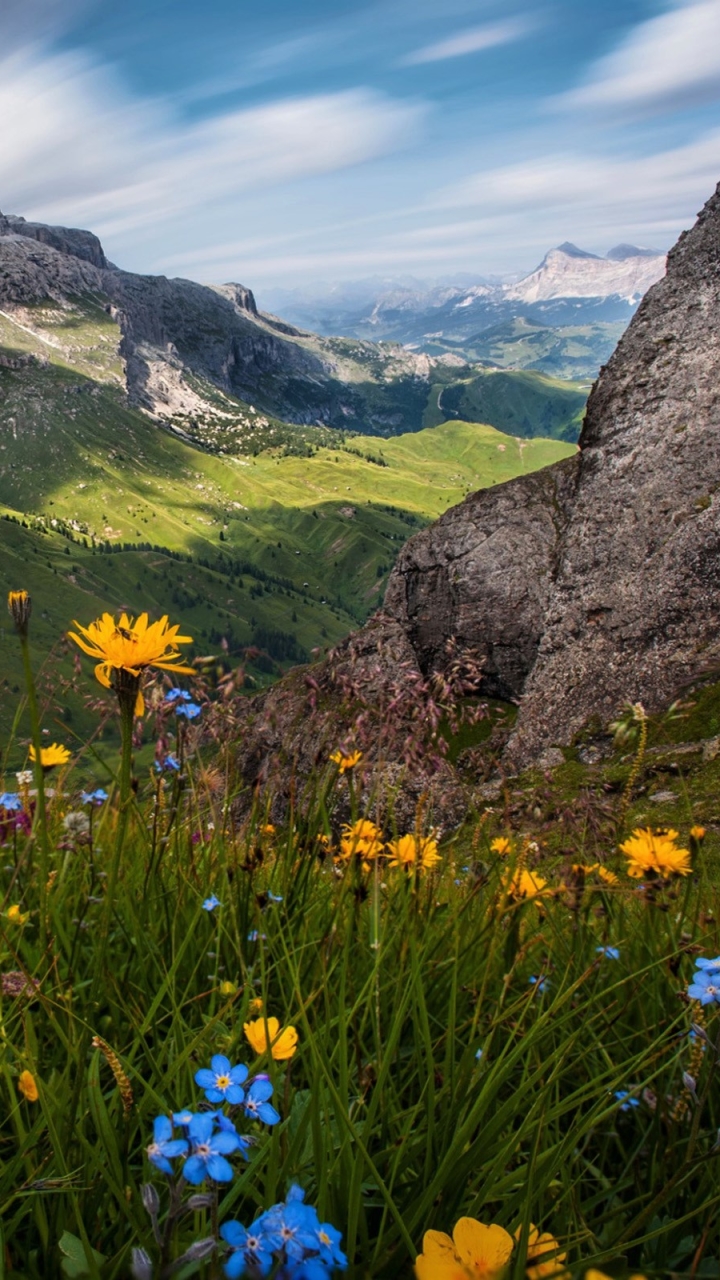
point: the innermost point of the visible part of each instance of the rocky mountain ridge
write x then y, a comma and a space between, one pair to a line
191, 351
590, 584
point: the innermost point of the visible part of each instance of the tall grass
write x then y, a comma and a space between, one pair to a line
460, 1052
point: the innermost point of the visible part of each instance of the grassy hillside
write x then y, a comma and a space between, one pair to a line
521, 403
284, 553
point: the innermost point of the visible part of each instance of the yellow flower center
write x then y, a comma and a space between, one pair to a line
222, 1082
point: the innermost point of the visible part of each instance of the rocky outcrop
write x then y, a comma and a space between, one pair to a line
74, 243
483, 574
635, 607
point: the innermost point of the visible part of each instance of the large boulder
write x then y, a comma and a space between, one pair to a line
482, 574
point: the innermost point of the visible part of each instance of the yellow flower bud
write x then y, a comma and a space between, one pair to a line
27, 1086
20, 608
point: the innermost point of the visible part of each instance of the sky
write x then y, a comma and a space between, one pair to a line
289, 143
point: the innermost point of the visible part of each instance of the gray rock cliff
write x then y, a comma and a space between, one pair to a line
635, 606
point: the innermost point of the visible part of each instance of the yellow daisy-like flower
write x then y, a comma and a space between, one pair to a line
266, 1031
51, 756
475, 1252
16, 916
414, 851
27, 1086
131, 645
524, 884
697, 833
361, 840
657, 851
268, 829
343, 762
501, 845
544, 1257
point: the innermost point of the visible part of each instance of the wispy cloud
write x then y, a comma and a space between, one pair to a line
74, 145
667, 61
472, 40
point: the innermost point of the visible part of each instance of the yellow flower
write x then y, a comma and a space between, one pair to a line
608, 876
655, 851
544, 1255
51, 756
16, 916
282, 1043
475, 1252
20, 608
592, 1274
524, 884
501, 845
411, 851
362, 840
256, 1005
344, 762
27, 1086
268, 829
697, 833
131, 645
227, 989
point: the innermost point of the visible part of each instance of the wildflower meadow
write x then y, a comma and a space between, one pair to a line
332, 1045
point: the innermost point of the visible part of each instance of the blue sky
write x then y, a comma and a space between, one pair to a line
292, 141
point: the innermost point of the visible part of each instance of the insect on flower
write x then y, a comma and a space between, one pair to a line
124, 649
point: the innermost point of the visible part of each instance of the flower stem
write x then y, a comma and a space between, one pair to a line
41, 811
126, 700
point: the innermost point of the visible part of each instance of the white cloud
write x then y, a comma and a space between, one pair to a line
473, 40
664, 184
74, 146
668, 60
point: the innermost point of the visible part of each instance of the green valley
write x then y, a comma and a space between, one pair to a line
284, 553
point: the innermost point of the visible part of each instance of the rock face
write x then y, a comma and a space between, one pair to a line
483, 574
635, 606
76, 244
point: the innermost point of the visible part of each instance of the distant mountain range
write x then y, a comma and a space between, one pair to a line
564, 318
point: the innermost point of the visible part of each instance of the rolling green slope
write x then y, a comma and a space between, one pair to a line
521, 403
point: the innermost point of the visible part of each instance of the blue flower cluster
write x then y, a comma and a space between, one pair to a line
96, 797
209, 1137
289, 1236
170, 764
626, 1100
705, 985
10, 801
181, 702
